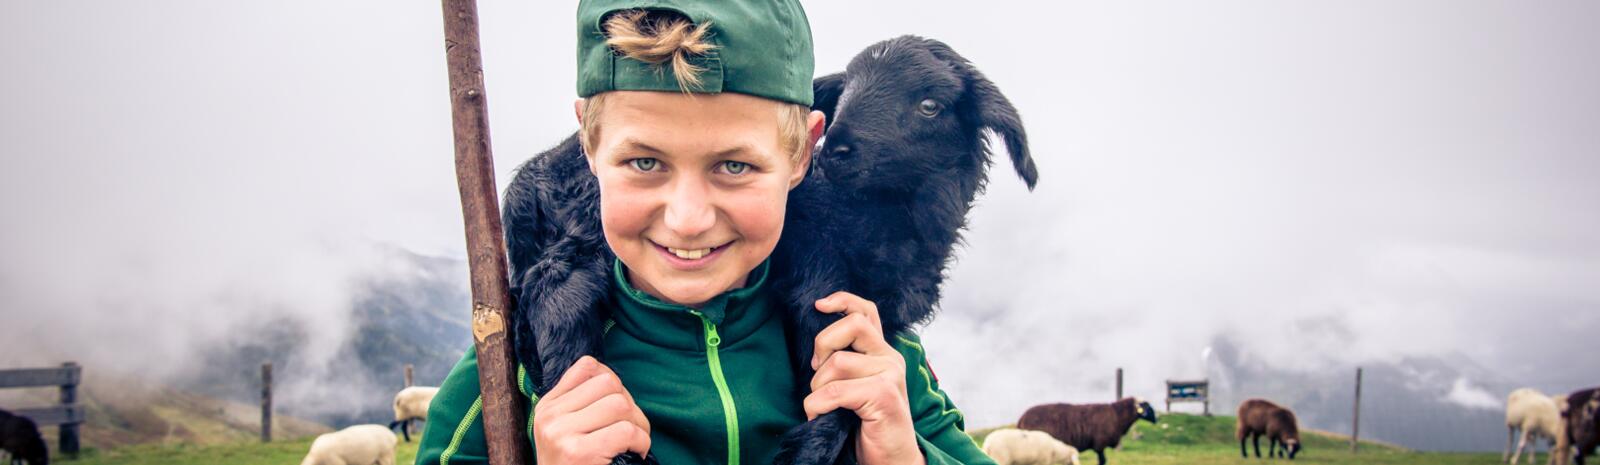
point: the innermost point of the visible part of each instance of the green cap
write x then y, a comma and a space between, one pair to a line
763, 48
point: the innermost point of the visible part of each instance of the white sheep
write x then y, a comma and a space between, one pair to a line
1025, 447
356, 445
1536, 416
411, 404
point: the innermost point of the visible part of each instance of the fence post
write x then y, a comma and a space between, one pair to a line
69, 397
266, 402
1355, 423
1119, 385
408, 372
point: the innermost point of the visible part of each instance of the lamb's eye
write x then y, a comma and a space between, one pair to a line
644, 164
929, 107
735, 167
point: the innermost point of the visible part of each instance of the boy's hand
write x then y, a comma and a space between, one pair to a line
588, 418
858, 370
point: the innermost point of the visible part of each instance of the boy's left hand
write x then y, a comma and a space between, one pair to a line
860, 371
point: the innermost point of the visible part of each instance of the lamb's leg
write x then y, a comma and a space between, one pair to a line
1242, 451
826, 439
561, 300
820, 441
1522, 443
1101, 452
1272, 447
1511, 440
1256, 440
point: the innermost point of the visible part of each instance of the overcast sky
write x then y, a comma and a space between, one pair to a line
1326, 184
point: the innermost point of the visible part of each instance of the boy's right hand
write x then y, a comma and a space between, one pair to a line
588, 418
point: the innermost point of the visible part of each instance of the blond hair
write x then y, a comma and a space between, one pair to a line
661, 36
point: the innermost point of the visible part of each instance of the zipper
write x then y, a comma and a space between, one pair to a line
729, 413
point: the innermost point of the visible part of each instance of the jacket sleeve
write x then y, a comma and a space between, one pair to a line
453, 434
940, 426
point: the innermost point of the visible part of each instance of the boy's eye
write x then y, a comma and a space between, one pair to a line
735, 167
644, 164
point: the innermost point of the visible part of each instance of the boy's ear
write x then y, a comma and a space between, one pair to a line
815, 121
577, 110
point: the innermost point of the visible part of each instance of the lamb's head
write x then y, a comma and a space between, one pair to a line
909, 109
1144, 410
1293, 444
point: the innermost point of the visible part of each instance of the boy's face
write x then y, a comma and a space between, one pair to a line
692, 188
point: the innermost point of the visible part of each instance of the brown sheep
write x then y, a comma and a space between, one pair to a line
1581, 413
1088, 426
1258, 417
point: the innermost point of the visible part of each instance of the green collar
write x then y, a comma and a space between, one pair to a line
736, 313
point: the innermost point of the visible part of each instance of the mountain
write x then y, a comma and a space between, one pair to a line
1422, 403
417, 315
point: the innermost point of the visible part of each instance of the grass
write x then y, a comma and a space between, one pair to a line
287, 452
1198, 440
1177, 440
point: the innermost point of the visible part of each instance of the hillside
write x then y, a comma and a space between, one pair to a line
123, 412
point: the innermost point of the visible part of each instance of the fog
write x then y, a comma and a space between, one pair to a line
1320, 185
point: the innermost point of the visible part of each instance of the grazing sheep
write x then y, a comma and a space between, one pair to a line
19, 436
1088, 426
356, 445
411, 404
878, 215
1025, 447
1581, 415
1258, 417
1536, 416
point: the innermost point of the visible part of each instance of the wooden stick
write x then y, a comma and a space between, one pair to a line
503, 408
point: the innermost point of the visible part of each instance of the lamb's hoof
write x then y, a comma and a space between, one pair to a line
818, 442
633, 458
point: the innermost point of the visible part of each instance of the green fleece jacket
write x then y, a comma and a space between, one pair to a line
714, 382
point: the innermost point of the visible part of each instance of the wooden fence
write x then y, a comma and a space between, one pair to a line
66, 416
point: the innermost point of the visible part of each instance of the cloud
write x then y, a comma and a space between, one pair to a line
1463, 392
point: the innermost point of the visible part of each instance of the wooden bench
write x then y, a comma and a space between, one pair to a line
66, 416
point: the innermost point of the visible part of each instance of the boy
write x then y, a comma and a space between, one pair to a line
695, 120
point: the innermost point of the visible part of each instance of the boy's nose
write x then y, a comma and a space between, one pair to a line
689, 211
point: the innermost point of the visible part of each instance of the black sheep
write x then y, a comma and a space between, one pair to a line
19, 436
879, 214
1257, 418
1093, 427
1581, 416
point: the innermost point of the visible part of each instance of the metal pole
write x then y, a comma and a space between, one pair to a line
503, 408
266, 402
1355, 423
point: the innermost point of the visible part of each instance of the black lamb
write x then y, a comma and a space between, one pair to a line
878, 215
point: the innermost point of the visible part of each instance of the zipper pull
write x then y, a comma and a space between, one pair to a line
712, 339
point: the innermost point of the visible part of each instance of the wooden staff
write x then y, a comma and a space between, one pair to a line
503, 409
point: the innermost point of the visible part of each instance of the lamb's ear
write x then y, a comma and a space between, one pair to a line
825, 95
997, 114
992, 110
